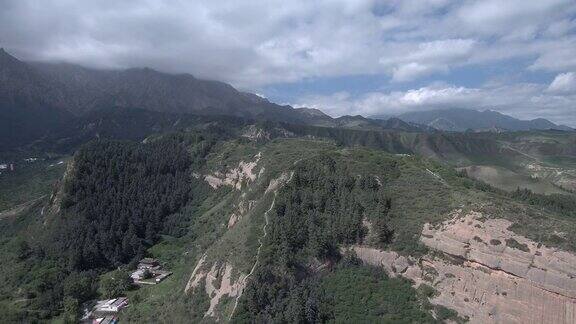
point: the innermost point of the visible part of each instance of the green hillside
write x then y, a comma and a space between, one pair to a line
263, 220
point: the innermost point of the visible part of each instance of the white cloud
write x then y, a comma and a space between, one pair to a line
559, 56
560, 28
526, 101
414, 70
254, 43
396, 102
511, 18
428, 58
563, 83
444, 50
434, 97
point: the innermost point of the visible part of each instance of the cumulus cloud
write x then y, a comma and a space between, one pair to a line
413, 70
254, 43
559, 56
395, 102
563, 83
511, 18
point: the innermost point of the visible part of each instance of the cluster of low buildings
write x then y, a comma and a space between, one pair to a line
149, 272
6, 166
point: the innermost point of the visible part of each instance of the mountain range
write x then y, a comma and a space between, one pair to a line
460, 120
38, 98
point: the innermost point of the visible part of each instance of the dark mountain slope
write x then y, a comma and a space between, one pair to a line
23, 120
37, 99
26, 113
137, 124
90, 89
129, 124
78, 90
399, 124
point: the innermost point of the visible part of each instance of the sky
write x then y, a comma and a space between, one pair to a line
374, 58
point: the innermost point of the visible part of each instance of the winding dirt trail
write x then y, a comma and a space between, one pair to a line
261, 241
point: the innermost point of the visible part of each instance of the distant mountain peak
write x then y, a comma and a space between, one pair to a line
455, 119
5, 57
312, 112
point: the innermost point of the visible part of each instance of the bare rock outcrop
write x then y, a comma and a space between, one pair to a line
235, 177
279, 182
226, 287
491, 244
196, 275
255, 133
243, 208
487, 273
218, 283
385, 259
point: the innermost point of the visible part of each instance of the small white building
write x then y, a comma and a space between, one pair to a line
138, 274
149, 272
111, 305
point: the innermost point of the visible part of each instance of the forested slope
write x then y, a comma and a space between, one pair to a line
259, 223
115, 201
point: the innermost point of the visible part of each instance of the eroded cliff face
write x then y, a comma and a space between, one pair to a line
54, 204
487, 273
218, 284
235, 177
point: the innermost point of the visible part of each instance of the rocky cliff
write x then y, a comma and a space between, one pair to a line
487, 273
